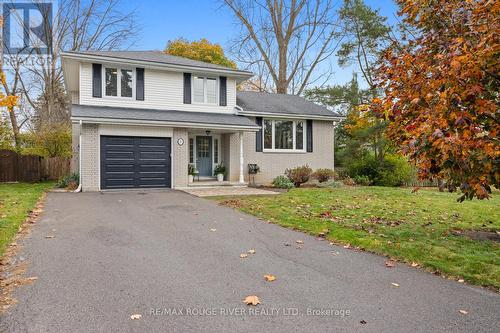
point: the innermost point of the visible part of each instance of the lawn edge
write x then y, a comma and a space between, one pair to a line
333, 241
12, 271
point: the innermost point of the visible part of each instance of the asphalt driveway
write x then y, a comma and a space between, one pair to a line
157, 254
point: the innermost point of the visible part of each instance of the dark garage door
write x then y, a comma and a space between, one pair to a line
130, 162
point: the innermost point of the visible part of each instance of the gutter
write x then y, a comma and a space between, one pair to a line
115, 121
155, 64
288, 115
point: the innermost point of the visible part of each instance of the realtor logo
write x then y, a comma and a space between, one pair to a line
26, 27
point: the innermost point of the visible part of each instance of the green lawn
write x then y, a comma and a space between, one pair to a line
16, 201
412, 227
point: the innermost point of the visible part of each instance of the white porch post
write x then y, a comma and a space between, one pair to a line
242, 178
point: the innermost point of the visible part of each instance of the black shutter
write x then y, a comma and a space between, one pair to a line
258, 137
97, 80
187, 88
309, 136
223, 91
139, 84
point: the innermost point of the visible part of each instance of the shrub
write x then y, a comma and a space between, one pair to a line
299, 175
322, 175
393, 170
220, 169
53, 141
69, 182
348, 181
331, 184
282, 182
191, 169
362, 180
397, 171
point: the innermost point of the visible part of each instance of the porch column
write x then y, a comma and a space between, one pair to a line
242, 178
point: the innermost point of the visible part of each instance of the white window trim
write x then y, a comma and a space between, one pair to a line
205, 89
294, 136
118, 82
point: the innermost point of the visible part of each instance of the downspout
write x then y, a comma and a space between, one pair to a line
79, 188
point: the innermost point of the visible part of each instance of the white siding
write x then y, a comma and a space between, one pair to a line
163, 90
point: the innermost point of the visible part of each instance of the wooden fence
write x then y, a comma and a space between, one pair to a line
20, 168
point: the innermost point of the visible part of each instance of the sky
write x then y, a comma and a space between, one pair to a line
161, 21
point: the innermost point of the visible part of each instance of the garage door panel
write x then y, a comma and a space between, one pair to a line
160, 142
131, 162
145, 156
120, 155
120, 140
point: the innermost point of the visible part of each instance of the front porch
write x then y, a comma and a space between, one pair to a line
209, 151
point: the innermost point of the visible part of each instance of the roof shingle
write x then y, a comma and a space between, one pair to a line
157, 57
116, 113
261, 102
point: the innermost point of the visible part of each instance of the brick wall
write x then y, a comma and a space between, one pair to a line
274, 164
180, 158
90, 157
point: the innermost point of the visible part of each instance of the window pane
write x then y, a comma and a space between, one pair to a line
299, 135
216, 151
111, 84
198, 94
211, 91
126, 79
191, 151
283, 134
268, 134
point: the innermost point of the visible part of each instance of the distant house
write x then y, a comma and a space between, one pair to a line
141, 117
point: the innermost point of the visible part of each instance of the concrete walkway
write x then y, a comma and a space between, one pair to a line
227, 191
175, 259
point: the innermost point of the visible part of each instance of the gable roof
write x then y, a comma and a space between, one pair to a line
92, 113
155, 57
262, 103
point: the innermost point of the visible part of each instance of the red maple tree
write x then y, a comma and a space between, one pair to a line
441, 92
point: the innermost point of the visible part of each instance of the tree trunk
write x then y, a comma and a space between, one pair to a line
15, 128
441, 185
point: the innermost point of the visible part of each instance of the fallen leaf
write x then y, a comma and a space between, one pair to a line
395, 284
251, 251
251, 300
461, 281
213, 229
390, 264
414, 264
347, 246
243, 255
463, 312
299, 241
269, 277
50, 236
136, 316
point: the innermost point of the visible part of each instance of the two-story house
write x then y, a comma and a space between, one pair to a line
141, 117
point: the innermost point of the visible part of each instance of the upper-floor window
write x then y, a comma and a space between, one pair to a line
204, 90
118, 82
283, 135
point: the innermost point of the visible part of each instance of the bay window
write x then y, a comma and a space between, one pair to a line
283, 135
205, 90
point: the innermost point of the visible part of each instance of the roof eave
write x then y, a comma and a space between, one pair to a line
244, 75
289, 115
116, 121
